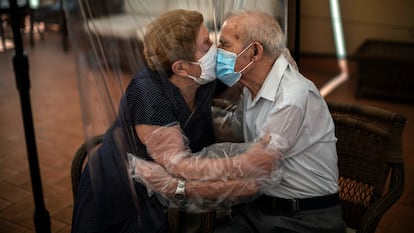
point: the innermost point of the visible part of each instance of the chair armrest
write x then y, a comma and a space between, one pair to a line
79, 160
374, 213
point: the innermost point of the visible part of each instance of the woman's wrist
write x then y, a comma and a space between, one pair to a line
180, 192
237, 167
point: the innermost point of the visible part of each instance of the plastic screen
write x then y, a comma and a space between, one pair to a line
107, 38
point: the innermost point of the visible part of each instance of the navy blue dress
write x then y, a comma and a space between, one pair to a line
107, 199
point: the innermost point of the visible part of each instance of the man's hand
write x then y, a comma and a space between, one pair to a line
258, 161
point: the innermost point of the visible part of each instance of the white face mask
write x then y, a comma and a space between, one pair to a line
208, 67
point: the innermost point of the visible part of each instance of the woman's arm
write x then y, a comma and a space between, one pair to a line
157, 179
166, 145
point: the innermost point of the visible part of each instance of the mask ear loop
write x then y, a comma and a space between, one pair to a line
247, 66
193, 63
192, 77
244, 50
250, 63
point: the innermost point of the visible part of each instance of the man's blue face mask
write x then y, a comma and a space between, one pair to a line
226, 61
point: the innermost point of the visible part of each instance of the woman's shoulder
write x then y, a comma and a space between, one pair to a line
146, 76
146, 81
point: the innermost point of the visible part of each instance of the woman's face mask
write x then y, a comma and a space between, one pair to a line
208, 67
226, 61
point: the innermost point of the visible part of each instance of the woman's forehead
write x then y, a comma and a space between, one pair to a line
203, 34
203, 42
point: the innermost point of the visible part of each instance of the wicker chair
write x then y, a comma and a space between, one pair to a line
370, 161
79, 160
371, 166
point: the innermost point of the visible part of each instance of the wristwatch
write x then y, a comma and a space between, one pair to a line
180, 190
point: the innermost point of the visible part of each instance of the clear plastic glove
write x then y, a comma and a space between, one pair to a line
152, 175
199, 196
223, 112
228, 120
167, 146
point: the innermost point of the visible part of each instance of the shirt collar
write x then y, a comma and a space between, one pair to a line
271, 84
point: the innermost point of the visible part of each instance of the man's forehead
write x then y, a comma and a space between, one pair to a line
229, 32
230, 25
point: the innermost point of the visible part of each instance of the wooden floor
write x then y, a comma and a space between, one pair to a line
59, 131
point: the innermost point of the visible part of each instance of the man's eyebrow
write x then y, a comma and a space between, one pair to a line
226, 43
223, 41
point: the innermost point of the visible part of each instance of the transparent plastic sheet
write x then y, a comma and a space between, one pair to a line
220, 175
107, 40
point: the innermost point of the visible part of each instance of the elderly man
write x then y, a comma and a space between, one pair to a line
278, 100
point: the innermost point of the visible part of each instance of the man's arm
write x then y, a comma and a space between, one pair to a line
166, 145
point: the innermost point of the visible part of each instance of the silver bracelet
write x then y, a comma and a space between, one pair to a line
180, 190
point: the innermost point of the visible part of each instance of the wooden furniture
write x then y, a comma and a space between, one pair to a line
79, 160
50, 12
371, 166
385, 70
122, 37
23, 8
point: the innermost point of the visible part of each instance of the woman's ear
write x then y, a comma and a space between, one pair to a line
178, 68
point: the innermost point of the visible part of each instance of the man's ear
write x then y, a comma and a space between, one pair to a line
178, 68
258, 51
